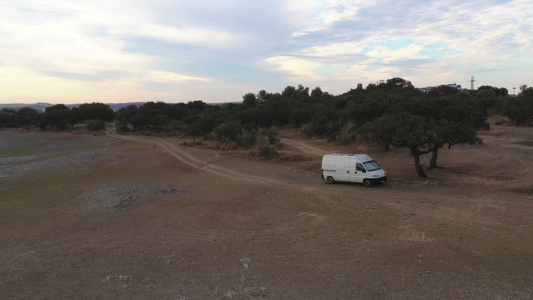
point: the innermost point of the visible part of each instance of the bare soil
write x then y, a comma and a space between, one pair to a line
111, 216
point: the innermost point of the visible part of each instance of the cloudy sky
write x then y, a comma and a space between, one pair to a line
110, 51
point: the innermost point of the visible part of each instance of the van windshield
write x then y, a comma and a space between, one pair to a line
371, 166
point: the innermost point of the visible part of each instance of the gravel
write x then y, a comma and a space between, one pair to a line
125, 196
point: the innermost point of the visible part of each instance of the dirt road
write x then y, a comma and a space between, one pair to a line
119, 216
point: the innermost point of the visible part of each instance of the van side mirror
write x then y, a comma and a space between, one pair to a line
364, 171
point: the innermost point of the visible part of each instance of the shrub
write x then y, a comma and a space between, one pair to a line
273, 130
272, 139
332, 127
211, 136
350, 127
95, 125
344, 138
261, 140
268, 152
222, 132
175, 125
121, 125
159, 121
62, 125
246, 138
271, 133
307, 129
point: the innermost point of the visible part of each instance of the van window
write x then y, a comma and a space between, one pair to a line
371, 165
359, 167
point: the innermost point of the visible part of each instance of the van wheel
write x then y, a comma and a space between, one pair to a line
330, 180
367, 183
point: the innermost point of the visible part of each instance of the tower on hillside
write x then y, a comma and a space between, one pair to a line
472, 83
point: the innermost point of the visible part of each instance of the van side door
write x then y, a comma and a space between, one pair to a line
359, 173
342, 165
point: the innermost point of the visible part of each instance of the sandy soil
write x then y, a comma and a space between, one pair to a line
110, 216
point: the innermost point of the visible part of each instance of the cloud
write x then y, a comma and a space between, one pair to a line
453, 37
213, 49
388, 56
62, 44
185, 34
162, 76
46, 38
335, 49
83, 36
293, 65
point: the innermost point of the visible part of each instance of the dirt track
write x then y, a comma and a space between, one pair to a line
135, 217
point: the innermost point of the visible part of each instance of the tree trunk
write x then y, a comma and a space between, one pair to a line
418, 167
433, 161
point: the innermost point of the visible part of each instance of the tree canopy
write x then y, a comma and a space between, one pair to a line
392, 112
423, 123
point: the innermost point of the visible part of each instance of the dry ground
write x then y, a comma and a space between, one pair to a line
108, 216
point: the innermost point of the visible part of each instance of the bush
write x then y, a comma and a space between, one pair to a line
268, 152
273, 130
175, 125
95, 125
211, 136
307, 129
261, 141
344, 138
121, 126
159, 121
62, 125
271, 133
246, 138
222, 132
332, 127
272, 139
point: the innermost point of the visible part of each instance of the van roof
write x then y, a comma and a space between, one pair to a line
361, 157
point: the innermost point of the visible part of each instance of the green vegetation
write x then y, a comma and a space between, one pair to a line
391, 112
58, 116
95, 125
520, 109
268, 152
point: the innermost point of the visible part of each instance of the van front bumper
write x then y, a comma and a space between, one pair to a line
380, 180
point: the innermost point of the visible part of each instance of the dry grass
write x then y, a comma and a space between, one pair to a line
492, 131
85, 216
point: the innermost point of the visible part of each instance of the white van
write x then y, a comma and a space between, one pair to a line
359, 168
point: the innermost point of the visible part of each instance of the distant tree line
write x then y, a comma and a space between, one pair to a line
59, 117
392, 113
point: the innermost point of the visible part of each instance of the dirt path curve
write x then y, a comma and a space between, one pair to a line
304, 147
191, 161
